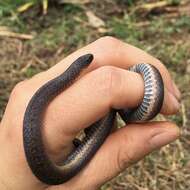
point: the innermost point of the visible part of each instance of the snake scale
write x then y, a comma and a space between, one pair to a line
40, 163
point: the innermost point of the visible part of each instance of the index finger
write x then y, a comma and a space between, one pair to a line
111, 51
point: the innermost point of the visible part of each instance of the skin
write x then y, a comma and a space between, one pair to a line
109, 85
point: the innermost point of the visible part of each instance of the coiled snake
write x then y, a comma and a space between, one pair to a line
41, 165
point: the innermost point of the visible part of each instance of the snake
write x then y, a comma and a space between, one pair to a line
51, 173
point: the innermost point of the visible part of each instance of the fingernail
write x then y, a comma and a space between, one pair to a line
174, 102
177, 93
164, 136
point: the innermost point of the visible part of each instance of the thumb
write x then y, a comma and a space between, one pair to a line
122, 148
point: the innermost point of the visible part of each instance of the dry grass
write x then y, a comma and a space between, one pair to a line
163, 31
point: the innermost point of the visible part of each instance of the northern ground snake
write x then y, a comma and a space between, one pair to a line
41, 165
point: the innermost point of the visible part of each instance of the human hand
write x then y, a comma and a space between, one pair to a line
107, 82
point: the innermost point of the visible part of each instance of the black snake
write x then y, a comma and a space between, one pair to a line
41, 165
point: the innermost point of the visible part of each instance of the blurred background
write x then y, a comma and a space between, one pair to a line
34, 35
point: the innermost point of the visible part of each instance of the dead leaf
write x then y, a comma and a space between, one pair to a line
150, 6
82, 2
4, 31
45, 6
25, 7
4, 28
94, 21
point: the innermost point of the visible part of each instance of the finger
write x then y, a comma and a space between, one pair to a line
88, 100
109, 51
121, 149
168, 109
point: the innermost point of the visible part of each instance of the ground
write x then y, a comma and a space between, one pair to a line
161, 28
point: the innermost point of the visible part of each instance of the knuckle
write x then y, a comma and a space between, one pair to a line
160, 65
108, 41
18, 89
126, 156
109, 79
22, 92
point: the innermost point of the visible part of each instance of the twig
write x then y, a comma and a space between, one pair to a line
150, 6
16, 35
184, 117
39, 61
4, 28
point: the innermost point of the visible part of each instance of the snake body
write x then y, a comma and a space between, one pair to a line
40, 163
